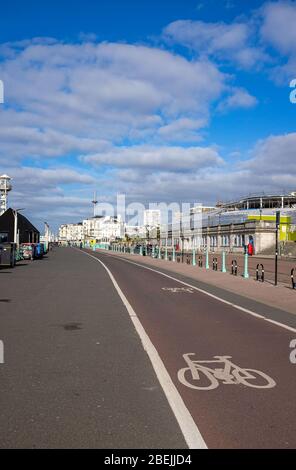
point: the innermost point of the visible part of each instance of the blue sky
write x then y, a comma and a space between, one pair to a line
161, 100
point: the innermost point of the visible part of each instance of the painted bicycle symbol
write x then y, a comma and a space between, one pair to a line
199, 376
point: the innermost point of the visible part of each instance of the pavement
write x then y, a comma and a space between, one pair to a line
85, 334
75, 372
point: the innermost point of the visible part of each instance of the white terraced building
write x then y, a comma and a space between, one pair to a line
71, 232
151, 218
97, 228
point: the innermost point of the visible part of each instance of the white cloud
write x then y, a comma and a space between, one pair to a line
43, 193
231, 42
182, 130
277, 30
275, 156
47, 177
270, 166
132, 109
278, 27
74, 97
239, 98
18, 141
162, 158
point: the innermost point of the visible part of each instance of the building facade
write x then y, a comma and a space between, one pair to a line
17, 226
152, 218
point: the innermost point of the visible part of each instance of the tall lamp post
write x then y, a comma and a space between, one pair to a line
15, 237
182, 237
277, 225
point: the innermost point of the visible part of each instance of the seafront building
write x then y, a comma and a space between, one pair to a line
229, 226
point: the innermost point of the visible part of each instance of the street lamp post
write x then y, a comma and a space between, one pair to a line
182, 238
15, 237
277, 225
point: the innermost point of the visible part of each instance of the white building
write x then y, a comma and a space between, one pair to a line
152, 218
91, 227
71, 232
134, 231
111, 228
103, 228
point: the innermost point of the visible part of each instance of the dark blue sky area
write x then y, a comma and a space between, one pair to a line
111, 20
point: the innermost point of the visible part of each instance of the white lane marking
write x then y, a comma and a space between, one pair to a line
187, 425
178, 289
199, 376
238, 307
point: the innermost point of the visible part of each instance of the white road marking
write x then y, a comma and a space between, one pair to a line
198, 375
178, 289
238, 307
187, 425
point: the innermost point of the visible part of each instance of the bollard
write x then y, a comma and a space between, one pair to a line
174, 254
223, 262
260, 273
246, 271
207, 260
292, 279
234, 267
193, 258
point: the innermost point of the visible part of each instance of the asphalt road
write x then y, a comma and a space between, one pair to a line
76, 373
232, 415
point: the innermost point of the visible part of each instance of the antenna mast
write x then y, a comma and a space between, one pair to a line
95, 202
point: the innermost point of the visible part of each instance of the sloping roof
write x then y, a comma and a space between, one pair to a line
22, 220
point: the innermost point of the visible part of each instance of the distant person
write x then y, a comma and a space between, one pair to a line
80, 246
250, 249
